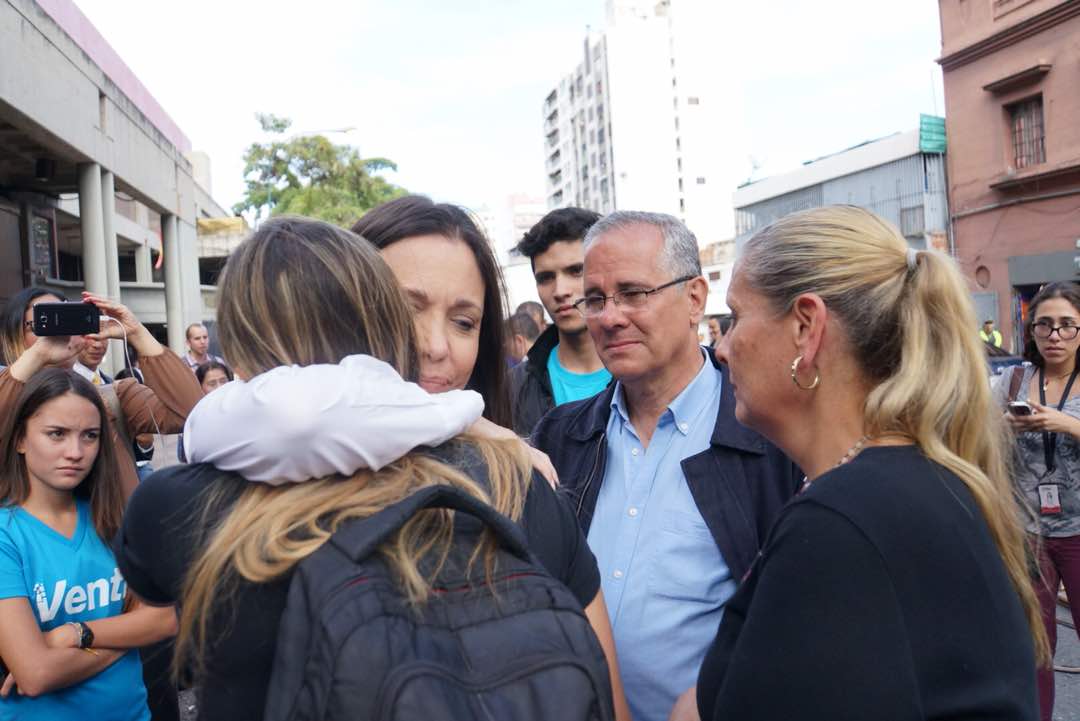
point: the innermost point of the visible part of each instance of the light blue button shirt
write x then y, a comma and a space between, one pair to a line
664, 580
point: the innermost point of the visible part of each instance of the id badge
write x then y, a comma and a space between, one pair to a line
1049, 501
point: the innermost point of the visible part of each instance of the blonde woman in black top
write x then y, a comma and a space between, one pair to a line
895, 586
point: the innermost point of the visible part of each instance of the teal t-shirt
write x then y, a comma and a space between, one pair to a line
65, 580
567, 386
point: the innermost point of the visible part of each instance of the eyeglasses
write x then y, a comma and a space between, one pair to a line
1043, 330
633, 298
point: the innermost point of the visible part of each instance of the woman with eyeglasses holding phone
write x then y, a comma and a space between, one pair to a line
1044, 411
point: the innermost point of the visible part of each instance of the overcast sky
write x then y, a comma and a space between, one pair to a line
451, 90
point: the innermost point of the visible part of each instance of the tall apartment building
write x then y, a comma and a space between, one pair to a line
644, 121
1014, 146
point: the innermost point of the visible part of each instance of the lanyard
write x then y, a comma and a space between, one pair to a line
1050, 439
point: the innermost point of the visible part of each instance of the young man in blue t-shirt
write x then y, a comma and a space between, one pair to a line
562, 365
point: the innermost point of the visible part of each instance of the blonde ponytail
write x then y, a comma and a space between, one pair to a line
911, 326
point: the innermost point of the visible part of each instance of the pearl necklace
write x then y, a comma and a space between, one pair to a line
852, 452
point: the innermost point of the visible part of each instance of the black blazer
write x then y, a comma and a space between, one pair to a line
739, 484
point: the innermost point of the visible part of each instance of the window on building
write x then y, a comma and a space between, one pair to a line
680, 185
692, 101
714, 276
600, 136
1028, 133
682, 205
599, 87
588, 91
912, 221
701, 181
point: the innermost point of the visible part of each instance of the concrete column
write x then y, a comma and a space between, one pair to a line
144, 264
114, 361
112, 253
174, 291
95, 273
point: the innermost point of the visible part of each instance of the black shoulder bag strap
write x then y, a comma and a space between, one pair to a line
1050, 439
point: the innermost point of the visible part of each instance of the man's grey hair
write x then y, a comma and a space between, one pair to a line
680, 254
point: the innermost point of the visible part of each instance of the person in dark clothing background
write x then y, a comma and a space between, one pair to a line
562, 365
521, 333
535, 311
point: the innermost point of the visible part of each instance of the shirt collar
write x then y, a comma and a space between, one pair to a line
687, 407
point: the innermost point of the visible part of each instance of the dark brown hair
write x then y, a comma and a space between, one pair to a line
11, 321
416, 215
210, 365
1069, 292
101, 485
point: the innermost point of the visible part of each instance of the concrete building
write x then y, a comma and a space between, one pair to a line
505, 222
644, 121
1010, 71
717, 262
900, 177
95, 182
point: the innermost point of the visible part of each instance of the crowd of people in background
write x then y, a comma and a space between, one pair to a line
825, 509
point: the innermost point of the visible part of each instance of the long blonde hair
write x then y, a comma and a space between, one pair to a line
300, 291
911, 329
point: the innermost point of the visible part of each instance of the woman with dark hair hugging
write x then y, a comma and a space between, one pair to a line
314, 309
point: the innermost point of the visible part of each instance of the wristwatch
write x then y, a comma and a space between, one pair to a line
86, 636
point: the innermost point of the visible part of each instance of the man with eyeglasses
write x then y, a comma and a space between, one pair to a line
674, 494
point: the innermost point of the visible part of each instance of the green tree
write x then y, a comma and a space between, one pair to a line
308, 175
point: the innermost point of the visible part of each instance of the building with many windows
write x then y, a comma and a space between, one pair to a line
643, 122
1010, 71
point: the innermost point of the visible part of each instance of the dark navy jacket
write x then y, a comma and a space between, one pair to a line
739, 484
530, 385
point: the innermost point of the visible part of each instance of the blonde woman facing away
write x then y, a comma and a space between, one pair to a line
895, 586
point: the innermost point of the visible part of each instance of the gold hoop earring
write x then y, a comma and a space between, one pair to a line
795, 379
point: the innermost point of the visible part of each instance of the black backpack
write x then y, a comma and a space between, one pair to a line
350, 647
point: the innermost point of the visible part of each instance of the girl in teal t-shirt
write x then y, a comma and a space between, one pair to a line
66, 642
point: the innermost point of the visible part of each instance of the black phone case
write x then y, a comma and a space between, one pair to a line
51, 319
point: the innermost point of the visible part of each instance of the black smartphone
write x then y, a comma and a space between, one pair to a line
66, 319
